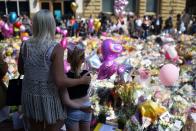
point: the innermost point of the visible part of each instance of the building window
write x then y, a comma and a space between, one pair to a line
131, 6
2, 10
151, 6
108, 5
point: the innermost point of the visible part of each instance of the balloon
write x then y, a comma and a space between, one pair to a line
172, 52
74, 6
1, 24
67, 66
63, 43
64, 32
110, 50
22, 28
94, 61
107, 69
169, 74
90, 23
18, 24
58, 29
12, 17
24, 38
97, 26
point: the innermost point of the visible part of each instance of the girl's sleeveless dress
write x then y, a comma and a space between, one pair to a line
40, 96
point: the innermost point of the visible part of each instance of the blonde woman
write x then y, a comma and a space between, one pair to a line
41, 62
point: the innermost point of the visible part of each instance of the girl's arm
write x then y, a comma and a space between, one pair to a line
68, 102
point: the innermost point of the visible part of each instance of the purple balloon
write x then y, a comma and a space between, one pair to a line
90, 24
63, 43
110, 49
107, 69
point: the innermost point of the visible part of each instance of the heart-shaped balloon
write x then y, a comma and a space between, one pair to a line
107, 69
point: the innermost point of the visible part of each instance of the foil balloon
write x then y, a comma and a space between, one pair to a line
1, 24
17, 24
94, 61
107, 69
25, 38
64, 33
119, 6
12, 17
110, 50
171, 53
58, 29
63, 43
74, 6
90, 23
67, 66
22, 28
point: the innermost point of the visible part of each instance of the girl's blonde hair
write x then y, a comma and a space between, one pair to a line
75, 58
44, 26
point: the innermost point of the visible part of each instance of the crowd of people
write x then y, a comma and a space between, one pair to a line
132, 25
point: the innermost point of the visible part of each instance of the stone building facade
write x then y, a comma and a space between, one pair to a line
93, 7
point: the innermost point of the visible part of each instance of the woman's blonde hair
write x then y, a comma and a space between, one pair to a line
44, 26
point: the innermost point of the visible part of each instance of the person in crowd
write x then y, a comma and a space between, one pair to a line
185, 19
131, 26
138, 23
77, 120
41, 60
157, 22
27, 23
168, 25
146, 27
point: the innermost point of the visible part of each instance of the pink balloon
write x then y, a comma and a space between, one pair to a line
64, 32
25, 38
1, 24
169, 74
58, 29
63, 43
67, 66
110, 50
107, 69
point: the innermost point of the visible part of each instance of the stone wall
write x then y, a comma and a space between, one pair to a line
91, 7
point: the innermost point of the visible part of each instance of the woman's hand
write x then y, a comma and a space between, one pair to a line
86, 78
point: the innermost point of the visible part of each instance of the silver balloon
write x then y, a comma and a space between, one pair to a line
93, 61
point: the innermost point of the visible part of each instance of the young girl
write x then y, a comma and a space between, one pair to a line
77, 120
